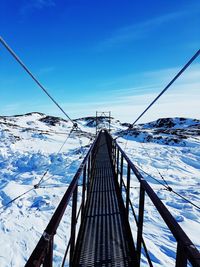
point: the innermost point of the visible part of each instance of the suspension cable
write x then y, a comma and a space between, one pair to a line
14, 199
35, 79
36, 185
60, 149
161, 93
42, 180
147, 153
169, 84
168, 188
75, 124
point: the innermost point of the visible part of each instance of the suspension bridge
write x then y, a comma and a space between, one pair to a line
104, 236
102, 214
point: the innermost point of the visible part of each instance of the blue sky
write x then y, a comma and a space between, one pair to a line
100, 55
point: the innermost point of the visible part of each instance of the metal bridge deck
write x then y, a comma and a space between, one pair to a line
103, 238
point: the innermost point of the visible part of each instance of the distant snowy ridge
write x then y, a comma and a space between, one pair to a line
169, 131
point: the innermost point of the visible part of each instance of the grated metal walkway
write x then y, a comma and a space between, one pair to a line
104, 237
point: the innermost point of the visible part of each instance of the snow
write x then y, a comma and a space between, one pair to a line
179, 165
30, 147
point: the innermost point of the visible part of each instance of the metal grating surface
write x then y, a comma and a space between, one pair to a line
102, 240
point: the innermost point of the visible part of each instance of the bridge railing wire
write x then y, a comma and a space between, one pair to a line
42, 179
149, 156
186, 250
41, 184
164, 183
169, 188
43, 252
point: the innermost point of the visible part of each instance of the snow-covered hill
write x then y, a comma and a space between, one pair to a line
169, 131
30, 147
170, 148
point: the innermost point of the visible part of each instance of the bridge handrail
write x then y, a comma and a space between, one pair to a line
43, 252
185, 248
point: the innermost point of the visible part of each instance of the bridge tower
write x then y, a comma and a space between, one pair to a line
103, 120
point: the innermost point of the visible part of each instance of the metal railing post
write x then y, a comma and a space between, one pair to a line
181, 258
117, 171
112, 151
121, 172
88, 173
73, 224
140, 223
115, 154
128, 189
48, 260
83, 192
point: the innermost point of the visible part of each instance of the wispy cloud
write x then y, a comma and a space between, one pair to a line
126, 104
165, 75
182, 99
138, 31
149, 81
28, 6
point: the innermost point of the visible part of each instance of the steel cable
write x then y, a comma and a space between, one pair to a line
162, 92
168, 188
169, 84
34, 78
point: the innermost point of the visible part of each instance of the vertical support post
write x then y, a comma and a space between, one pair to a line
181, 259
117, 170
110, 145
128, 189
88, 173
48, 261
73, 224
140, 223
114, 155
121, 172
109, 120
96, 122
112, 151
83, 192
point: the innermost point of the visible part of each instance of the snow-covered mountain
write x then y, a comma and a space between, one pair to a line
31, 147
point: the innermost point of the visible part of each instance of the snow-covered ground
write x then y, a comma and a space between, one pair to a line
30, 146
170, 147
